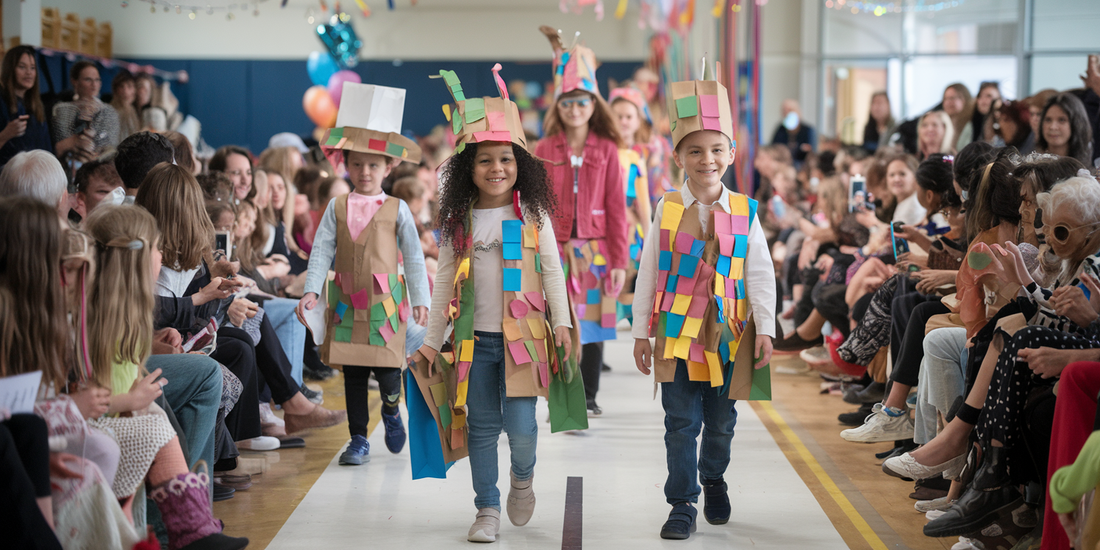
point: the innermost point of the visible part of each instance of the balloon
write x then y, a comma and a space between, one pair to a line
342, 42
321, 66
319, 107
336, 83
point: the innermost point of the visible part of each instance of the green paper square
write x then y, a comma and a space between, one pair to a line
464, 325
393, 321
342, 334
662, 320
475, 109
398, 292
459, 96
538, 263
687, 107
394, 149
445, 415
333, 294
456, 124
377, 314
761, 389
376, 338
348, 319
393, 281
531, 351
449, 77
335, 136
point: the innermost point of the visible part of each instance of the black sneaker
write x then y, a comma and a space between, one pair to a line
313, 396
856, 417
318, 373
605, 368
716, 503
681, 522
594, 410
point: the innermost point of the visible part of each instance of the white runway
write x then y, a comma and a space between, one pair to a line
622, 460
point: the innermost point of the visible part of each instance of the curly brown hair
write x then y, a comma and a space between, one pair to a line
459, 192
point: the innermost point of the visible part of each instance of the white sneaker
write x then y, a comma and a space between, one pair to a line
925, 506
933, 515
262, 443
880, 427
905, 466
485, 527
521, 501
964, 544
268, 417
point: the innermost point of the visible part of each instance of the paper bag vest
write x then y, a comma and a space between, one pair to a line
700, 306
368, 295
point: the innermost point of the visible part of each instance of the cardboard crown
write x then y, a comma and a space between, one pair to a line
369, 121
695, 105
478, 119
574, 68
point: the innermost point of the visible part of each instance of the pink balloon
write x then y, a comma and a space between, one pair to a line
336, 83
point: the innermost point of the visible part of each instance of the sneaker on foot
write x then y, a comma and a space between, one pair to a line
716, 501
521, 501
357, 452
314, 397
395, 431
485, 526
856, 417
881, 426
594, 410
681, 522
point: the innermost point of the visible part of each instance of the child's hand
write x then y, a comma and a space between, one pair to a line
643, 354
145, 391
307, 303
563, 337
420, 315
616, 282
92, 401
763, 350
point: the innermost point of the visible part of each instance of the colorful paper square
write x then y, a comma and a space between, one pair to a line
512, 251
664, 263
536, 300
673, 325
360, 300
741, 247
496, 121
684, 243
608, 320
722, 266
691, 327
725, 244
342, 334
519, 352
670, 216
512, 231
671, 285
739, 225
722, 223
466, 350
688, 264
512, 278
666, 301
680, 304
685, 285
711, 123
737, 268
687, 107
683, 348
697, 247
395, 149
376, 145
381, 283
708, 105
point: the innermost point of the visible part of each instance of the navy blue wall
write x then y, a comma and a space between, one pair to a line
245, 102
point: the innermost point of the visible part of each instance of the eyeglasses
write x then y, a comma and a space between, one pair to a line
569, 103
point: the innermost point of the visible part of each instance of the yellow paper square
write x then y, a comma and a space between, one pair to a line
715, 367
698, 372
389, 306
670, 216
466, 350
680, 304
460, 399
529, 240
683, 348
538, 328
511, 330
742, 309
458, 418
691, 327
739, 205
737, 268
670, 344
463, 268
439, 394
733, 350
719, 284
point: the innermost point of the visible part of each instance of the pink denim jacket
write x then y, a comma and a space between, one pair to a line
601, 201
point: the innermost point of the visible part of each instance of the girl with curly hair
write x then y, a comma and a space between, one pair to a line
581, 149
496, 234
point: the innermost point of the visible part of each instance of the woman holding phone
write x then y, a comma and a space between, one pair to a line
22, 115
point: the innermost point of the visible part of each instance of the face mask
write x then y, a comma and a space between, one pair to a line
790, 121
116, 197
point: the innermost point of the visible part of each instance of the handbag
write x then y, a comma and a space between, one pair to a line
568, 407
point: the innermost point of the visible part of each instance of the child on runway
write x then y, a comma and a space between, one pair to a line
705, 267
497, 240
365, 231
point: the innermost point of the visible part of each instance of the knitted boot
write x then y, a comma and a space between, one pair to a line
184, 505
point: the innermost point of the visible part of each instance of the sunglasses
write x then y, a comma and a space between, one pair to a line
569, 103
1060, 233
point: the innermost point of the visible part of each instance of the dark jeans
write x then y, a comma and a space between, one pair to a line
275, 380
691, 406
24, 476
355, 388
591, 364
911, 350
235, 351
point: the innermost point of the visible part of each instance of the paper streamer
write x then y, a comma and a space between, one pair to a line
500, 81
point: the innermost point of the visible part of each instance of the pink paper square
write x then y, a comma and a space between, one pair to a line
698, 307
662, 279
731, 288
608, 320
381, 283
403, 310
711, 123
665, 245
463, 370
544, 374
739, 225
684, 242
492, 136
725, 244
666, 302
708, 105
536, 300
540, 350
386, 332
581, 309
360, 300
685, 285
695, 353
722, 223
519, 352
519, 309
497, 124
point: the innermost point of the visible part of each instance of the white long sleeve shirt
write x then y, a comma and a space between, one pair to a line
759, 272
487, 271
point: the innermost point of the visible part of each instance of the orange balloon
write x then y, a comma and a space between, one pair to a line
319, 107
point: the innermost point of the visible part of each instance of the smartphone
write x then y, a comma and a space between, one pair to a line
221, 242
900, 245
857, 192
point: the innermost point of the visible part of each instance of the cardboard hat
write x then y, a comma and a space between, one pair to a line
574, 68
478, 119
695, 105
369, 121
634, 96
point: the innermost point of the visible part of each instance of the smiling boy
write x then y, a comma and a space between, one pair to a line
703, 271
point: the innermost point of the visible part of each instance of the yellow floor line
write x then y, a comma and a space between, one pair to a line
822, 477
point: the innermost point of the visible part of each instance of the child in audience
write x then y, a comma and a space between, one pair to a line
723, 225
367, 275
497, 191
121, 325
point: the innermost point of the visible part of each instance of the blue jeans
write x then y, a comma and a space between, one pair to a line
490, 411
414, 337
690, 406
292, 333
194, 391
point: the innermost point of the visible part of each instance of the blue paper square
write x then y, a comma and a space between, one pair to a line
673, 325
577, 253
740, 246
723, 266
697, 248
512, 278
592, 297
688, 263
513, 251
513, 231
341, 307
740, 289
721, 310
671, 286
665, 262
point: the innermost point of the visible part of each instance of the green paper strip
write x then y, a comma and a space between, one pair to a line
449, 77
456, 124
761, 389
445, 415
334, 136
687, 107
398, 292
394, 149
333, 294
531, 351
475, 109
393, 321
348, 319
538, 263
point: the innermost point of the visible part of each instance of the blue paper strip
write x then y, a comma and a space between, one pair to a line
674, 325
512, 279
740, 245
688, 263
513, 231
512, 251
665, 262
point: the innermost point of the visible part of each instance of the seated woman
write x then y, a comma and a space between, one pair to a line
22, 114
121, 335
86, 114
